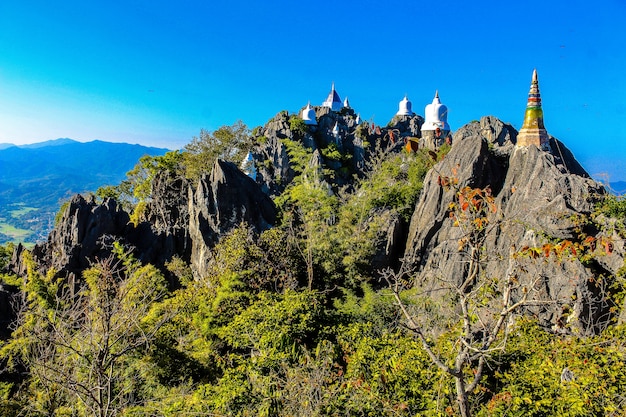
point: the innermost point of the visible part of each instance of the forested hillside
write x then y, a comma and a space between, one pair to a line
342, 272
36, 179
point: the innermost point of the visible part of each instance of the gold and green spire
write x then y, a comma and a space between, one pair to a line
533, 132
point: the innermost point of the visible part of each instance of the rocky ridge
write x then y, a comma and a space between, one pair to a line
539, 197
537, 193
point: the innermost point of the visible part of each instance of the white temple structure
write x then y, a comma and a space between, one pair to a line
346, 103
435, 128
247, 166
405, 108
333, 101
308, 115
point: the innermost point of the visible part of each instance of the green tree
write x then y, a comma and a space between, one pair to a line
6, 251
543, 374
80, 344
483, 305
230, 143
137, 187
144, 172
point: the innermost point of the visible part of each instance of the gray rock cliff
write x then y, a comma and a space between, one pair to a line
538, 196
221, 201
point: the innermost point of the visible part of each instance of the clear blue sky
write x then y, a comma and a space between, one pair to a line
156, 72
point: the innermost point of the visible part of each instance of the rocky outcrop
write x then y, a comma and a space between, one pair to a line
270, 156
178, 222
221, 201
9, 304
491, 128
408, 126
167, 215
538, 196
81, 236
389, 250
342, 130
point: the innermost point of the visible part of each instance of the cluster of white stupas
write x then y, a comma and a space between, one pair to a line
435, 113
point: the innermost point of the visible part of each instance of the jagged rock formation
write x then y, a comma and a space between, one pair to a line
538, 196
220, 202
340, 129
168, 215
8, 300
491, 128
80, 236
270, 155
407, 125
178, 221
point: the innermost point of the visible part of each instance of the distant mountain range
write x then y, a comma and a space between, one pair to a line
618, 187
35, 179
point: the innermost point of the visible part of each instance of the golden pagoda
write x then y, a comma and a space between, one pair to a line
533, 132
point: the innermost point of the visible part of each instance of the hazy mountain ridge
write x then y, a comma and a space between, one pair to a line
41, 175
618, 187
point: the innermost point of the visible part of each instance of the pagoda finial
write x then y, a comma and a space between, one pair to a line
533, 132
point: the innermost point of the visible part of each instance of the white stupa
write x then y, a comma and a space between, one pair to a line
333, 101
308, 115
436, 115
435, 128
336, 130
346, 103
405, 108
247, 166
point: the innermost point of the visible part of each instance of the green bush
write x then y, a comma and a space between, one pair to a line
543, 374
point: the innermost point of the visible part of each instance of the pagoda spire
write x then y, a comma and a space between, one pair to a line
333, 101
533, 132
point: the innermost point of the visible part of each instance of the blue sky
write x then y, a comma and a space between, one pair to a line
156, 72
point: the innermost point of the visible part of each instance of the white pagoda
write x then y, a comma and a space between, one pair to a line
308, 115
405, 108
333, 101
435, 128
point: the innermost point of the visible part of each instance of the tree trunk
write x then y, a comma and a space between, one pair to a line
461, 396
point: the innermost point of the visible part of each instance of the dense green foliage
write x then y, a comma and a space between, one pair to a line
614, 207
547, 375
137, 187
